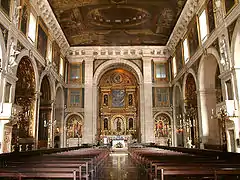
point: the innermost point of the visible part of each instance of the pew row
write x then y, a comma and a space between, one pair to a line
77, 164
160, 163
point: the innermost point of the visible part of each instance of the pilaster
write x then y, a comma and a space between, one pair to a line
51, 126
36, 122
88, 131
237, 86
148, 124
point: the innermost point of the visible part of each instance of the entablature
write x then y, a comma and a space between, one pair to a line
124, 52
51, 22
186, 16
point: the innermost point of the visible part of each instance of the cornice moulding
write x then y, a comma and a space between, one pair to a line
126, 52
52, 24
186, 16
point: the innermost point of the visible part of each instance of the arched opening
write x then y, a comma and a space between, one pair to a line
178, 116
23, 120
162, 129
118, 106
1, 57
189, 121
59, 115
236, 45
74, 130
210, 95
44, 125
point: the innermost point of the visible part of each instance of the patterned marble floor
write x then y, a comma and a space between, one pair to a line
119, 166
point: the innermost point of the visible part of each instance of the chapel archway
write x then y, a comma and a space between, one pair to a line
44, 124
1, 57
2, 51
236, 44
59, 116
74, 130
178, 103
118, 106
210, 96
189, 119
23, 118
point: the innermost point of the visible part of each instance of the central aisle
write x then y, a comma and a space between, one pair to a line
119, 166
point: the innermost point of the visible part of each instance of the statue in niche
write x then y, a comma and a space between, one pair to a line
119, 128
130, 99
130, 123
105, 124
15, 17
223, 52
13, 52
105, 100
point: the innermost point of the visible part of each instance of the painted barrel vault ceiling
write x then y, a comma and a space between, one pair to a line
117, 22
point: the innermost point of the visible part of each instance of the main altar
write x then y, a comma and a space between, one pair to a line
117, 142
118, 120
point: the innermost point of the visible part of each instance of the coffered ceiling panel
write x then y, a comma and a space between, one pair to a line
117, 22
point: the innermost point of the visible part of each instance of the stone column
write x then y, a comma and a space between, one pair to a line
51, 126
210, 126
36, 122
88, 132
148, 135
174, 128
1, 86
95, 111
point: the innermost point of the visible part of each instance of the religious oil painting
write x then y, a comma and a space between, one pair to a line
42, 41
193, 37
74, 127
24, 19
210, 12
118, 96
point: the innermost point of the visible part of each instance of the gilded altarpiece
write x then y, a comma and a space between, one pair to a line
56, 55
118, 106
23, 120
189, 120
74, 127
24, 13
162, 129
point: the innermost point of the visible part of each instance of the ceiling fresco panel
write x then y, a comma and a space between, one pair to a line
117, 22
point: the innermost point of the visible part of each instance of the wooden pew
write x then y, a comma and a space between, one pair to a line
161, 163
75, 164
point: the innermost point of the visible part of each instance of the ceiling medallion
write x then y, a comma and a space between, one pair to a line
118, 16
117, 78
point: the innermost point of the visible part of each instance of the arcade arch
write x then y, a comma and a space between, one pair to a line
45, 111
178, 109
23, 120
59, 118
210, 95
189, 121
